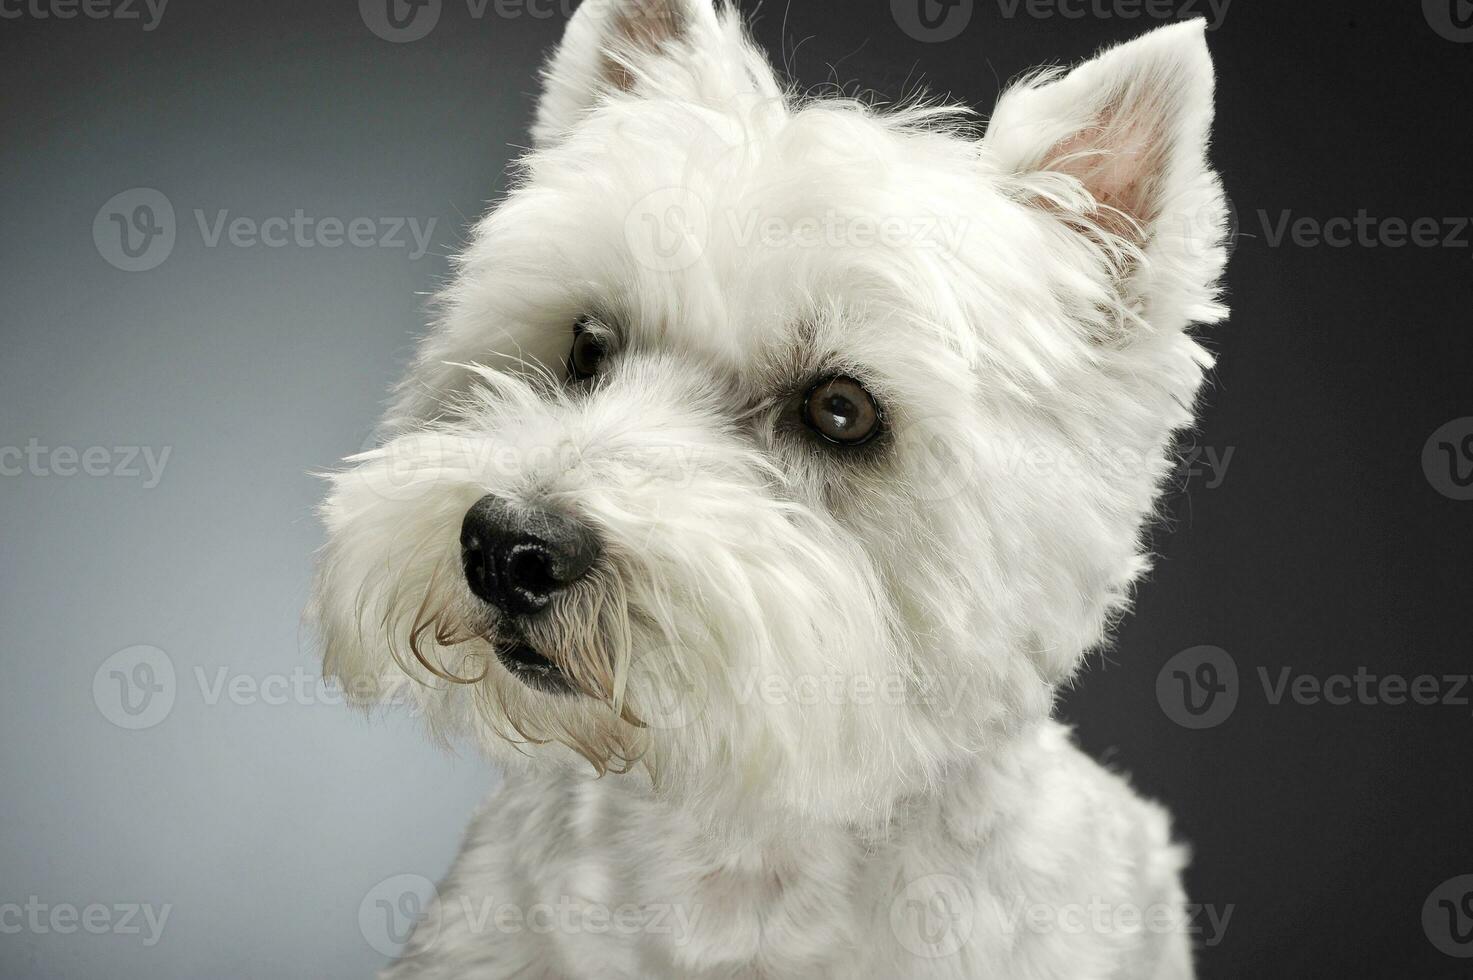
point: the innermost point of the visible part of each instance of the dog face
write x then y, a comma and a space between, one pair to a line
787, 448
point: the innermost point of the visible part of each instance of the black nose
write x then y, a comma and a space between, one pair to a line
517, 558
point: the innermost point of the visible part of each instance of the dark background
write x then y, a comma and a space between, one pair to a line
1324, 547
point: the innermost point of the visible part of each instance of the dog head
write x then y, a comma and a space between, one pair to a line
781, 449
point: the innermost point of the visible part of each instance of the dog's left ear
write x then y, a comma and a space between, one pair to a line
603, 50
1132, 127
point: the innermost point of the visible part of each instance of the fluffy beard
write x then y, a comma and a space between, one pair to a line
714, 582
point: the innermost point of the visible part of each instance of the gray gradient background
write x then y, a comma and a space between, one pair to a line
264, 826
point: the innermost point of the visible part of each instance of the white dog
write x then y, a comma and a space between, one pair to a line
771, 463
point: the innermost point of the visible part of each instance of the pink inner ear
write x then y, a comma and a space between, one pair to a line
1120, 161
639, 28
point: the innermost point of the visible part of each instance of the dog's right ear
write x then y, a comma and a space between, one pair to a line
604, 50
1130, 129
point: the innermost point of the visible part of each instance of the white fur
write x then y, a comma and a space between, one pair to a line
862, 648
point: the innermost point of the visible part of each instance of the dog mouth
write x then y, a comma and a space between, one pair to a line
539, 673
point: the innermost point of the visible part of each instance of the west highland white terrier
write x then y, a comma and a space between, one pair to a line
770, 464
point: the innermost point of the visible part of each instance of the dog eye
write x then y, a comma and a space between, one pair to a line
841, 411
587, 354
